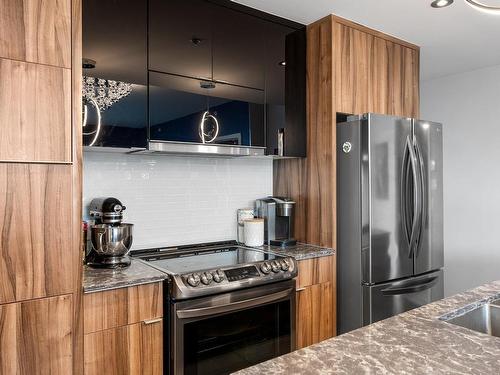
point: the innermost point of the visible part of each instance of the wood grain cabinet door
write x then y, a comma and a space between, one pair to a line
132, 349
37, 31
35, 112
315, 321
36, 337
36, 249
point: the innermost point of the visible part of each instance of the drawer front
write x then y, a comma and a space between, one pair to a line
133, 349
120, 307
315, 271
36, 337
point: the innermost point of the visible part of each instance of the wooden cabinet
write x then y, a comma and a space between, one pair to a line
40, 259
132, 349
35, 252
36, 337
119, 307
37, 31
350, 70
35, 112
374, 73
124, 331
316, 305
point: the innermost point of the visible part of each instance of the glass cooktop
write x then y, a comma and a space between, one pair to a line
189, 261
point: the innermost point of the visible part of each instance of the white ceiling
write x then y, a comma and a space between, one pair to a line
452, 40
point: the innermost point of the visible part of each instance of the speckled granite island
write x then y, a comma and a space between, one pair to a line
138, 273
416, 342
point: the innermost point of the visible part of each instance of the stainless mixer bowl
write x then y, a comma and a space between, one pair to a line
109, 240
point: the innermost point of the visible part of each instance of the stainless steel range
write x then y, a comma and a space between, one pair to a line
230, 306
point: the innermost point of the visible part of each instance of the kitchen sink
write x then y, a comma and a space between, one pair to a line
484, 319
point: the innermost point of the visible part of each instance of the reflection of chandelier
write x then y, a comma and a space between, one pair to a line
104, 92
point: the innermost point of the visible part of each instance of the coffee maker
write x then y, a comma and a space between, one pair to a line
278, 215
111, 239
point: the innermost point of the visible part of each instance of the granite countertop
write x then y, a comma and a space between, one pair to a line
415, 342
300, 251
100, 279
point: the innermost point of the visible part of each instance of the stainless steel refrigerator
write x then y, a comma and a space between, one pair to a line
390, 217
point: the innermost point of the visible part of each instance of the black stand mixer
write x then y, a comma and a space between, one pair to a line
111, 239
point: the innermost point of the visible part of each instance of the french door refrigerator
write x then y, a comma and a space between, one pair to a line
390, 217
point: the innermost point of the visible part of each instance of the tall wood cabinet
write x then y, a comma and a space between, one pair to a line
40, 186
351, 69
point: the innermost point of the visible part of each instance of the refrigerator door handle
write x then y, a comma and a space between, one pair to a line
422, 198
416, 196
417, 202
411, 287
405, 221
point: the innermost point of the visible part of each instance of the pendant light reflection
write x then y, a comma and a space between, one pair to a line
477, 5
97, 131
208, 137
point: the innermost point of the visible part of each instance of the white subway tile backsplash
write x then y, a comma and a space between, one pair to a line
176, 200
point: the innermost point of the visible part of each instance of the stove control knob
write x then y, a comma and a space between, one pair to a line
275, 266
218, 276
206, 278
193, 279
265, 268
284, 265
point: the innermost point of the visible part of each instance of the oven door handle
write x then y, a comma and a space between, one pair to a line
221, 309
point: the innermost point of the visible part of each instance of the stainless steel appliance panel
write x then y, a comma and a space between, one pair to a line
429, 146
227, 332
349, 291
385, 300
385, 246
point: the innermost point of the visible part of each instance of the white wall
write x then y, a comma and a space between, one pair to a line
468, 104
177, 200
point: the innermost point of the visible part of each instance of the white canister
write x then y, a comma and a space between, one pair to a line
254, 232
242, 215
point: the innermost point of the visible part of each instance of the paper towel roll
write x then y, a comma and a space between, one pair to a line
254, 232
242, 215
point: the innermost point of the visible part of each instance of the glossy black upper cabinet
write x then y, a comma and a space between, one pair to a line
115, 73
238, 48
286, 91
190, 110
180, 37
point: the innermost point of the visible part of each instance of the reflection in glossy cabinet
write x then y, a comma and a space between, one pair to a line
115, 49
180, 37
36, 337
128, 350
180, 106
238, 48
285, 91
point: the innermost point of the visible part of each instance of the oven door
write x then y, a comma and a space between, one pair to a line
227, 332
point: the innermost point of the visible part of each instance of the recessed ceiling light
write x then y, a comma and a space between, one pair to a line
441, 3
282, 63
483, 7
